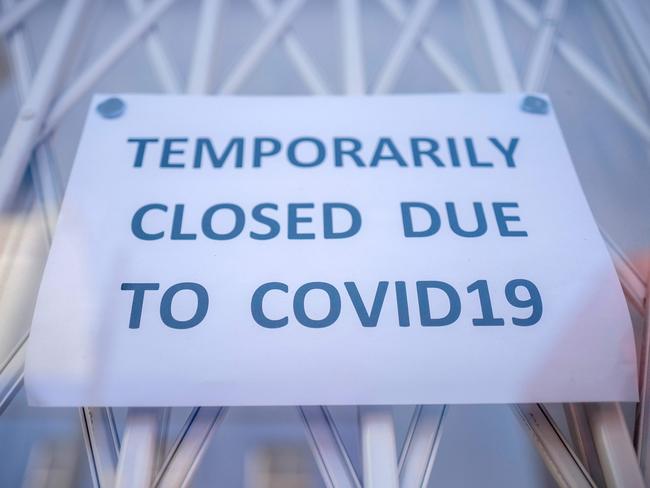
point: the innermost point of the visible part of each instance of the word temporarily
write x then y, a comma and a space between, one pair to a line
226, 221
309, 152
444, 295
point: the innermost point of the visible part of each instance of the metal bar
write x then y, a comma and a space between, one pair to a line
102, 444
614, 445
16, 15
44, 175
143, 426
642, 420
633, 285
376, 422
378, 447
564, 465
19, 145
161, 448
205, 45
299, 57
353, 60
407, 40
135, 466
607, 90
188, 449
22, 278
421, 445
535, 77
583, 441
490, 28
47, 186
577, 417
434, 51
22, 258
330, 454
11, 375
98, 426
635, 15
633, 39
11, 230
274, 28
177, 467
96, 70
542, 50
615, 59
157, 55
586, 69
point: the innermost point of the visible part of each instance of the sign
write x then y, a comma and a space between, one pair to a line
327, 250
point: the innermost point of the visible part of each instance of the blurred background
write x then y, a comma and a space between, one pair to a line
595, 69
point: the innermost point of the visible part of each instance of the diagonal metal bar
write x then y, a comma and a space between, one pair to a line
146, 429
413, 27
378, 446
161, 448
24, 266
642, 420
538, 65
28, 237
102, 444
353, 60
98, 426
330, 454
12, 230
24, 132
17, 14
375, 422
97, 69
542, 50
614, 445
488, 24
583, 441
634, 20
185, 455
633, 285
11, 375
633, 36
269, 35
297, 54
421, 445
157, 55
588, 70
45, 177
135, 465
204, 47
578, 415
434, 51
607, 90
564, 465
22, 258
536, 72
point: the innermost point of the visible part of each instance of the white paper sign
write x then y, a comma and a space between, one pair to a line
327, 250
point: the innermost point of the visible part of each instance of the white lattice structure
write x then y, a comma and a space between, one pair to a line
53, 89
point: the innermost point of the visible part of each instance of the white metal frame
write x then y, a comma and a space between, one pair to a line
602, 441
